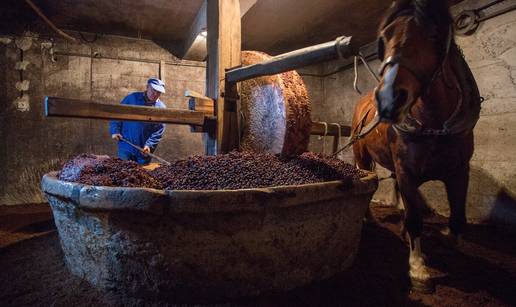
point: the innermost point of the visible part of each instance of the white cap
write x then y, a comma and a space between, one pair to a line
157, 84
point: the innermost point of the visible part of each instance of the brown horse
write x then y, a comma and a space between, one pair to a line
427, 102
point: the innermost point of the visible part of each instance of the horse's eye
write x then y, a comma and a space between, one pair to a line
381, 48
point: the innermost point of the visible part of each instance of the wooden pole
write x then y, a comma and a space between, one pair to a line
224, 47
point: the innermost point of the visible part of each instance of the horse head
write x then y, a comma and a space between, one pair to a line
413, 41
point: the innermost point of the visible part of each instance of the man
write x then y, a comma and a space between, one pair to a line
145, 135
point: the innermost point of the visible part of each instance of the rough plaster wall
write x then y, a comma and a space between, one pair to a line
491, 54
32, 144
336, 100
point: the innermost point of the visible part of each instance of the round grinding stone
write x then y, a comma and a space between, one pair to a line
276, 111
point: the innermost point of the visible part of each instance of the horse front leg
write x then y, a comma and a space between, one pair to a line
413, 224
457, 189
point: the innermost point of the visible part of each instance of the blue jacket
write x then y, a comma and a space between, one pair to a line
138, 133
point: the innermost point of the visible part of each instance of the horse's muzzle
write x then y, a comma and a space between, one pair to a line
389, 99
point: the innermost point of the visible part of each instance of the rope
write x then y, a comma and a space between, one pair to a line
355, 80
368, 68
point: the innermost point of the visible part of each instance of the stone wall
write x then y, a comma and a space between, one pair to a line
491, 54
105, 71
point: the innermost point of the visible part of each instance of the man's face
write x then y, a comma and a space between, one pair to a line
152, 94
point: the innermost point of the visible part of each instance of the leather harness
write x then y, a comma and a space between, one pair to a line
467, 110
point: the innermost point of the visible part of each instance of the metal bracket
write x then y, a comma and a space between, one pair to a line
467, 22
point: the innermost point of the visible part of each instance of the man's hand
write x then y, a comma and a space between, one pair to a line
116, 136
146, 149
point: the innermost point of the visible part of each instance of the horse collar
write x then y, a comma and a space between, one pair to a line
467, 109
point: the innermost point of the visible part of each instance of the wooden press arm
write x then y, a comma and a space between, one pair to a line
64, 107
199, 102
201, 110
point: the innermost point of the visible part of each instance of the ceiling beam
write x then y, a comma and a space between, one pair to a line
194, 48
194, 41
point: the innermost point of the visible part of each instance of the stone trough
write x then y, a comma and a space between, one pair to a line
207, 246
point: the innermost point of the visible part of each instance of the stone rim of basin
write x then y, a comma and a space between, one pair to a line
202, 201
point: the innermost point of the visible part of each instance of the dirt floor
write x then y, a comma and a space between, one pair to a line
32, 271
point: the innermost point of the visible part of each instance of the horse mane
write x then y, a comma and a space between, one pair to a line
434, 15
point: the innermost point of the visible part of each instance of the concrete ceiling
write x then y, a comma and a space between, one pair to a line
166, 20
273, 26
278, 26
291, 24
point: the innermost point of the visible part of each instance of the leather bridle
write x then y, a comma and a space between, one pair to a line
398, 59
424, 81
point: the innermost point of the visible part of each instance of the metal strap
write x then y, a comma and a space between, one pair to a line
323, 137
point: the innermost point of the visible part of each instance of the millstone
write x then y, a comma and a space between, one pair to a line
276, 111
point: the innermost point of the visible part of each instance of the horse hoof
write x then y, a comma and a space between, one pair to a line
422, 286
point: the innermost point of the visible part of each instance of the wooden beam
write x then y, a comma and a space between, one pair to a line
201, 103
194, 94
319, 128
162, 74
224, 48
64, 107
368, 51
338, 48
195, 45
193, 41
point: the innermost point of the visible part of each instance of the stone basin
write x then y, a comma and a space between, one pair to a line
207, 246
